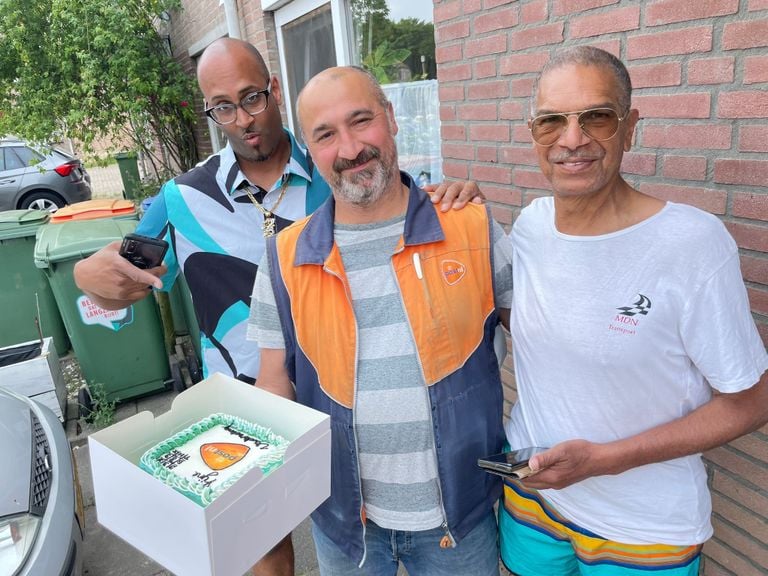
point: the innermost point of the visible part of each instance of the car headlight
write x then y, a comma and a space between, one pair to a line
17, 536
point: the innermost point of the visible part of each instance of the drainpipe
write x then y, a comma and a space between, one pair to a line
233, 23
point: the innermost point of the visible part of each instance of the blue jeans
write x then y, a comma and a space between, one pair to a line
476, 555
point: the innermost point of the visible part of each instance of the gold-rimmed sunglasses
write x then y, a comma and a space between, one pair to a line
598, 123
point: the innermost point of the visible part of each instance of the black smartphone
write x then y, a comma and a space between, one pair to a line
514, 463
143, 251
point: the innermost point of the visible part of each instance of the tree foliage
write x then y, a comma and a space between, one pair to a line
411, 38
419, 38
383, 59
93, 70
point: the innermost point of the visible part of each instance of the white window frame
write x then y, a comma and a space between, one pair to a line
342, 34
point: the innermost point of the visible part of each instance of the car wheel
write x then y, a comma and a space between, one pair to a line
85, 402
194, 368
177, 376
47, 201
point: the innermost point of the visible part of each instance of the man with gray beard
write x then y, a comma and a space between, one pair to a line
380, 311
354, 189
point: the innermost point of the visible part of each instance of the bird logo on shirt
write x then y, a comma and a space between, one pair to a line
642, 306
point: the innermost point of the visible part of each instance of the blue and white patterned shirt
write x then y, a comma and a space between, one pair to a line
216, 241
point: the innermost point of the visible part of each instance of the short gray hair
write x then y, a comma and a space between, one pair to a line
590, 56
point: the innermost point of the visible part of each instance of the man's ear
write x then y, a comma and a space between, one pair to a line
275, 91
391, 116
632, 118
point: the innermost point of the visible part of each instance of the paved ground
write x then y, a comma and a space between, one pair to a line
106, 181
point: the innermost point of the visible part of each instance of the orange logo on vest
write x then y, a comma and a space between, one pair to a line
220, 455
453, 271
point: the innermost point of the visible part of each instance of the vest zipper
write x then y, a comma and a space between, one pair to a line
354, 403
446, 541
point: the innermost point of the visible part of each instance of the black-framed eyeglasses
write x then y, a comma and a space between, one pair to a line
253, 103
598, 123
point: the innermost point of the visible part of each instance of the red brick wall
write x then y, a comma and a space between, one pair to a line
700, 72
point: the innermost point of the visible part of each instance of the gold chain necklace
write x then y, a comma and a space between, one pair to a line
268, 227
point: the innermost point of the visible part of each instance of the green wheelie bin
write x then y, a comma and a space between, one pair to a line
122, 350
27, 305
129, 173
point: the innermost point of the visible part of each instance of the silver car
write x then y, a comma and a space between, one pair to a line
40, 504
30, 178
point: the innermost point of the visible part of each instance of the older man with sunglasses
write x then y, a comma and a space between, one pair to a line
628, 312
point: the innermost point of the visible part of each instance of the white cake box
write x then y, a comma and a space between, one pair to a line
232, 533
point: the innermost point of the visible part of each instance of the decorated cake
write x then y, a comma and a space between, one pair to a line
202, 461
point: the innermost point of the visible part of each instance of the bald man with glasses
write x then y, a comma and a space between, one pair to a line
635, 350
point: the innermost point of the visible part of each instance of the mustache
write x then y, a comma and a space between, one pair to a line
366, 154
573, 156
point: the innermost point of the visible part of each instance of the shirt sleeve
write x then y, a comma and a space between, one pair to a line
502, 266
263, 322
719, 333
154, 223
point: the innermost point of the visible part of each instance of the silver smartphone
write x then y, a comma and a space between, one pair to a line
514, 463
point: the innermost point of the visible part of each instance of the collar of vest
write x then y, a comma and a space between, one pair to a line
422, 226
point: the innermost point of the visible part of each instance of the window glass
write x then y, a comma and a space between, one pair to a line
309, 48
395, 41
27, 156
12, 160
417, 113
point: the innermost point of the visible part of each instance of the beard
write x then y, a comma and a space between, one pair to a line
263, 153
364, 187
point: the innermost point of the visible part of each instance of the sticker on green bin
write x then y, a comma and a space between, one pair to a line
91, 314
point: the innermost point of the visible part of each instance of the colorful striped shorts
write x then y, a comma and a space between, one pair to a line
537, 541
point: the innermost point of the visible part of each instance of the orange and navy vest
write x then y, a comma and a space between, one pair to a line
444, 269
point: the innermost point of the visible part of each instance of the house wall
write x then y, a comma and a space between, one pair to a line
700, 72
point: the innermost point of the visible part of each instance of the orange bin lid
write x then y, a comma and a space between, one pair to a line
92, 209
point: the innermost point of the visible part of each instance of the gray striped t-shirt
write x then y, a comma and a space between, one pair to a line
392, 417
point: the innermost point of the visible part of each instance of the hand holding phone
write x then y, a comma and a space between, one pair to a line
514, 463
143, 251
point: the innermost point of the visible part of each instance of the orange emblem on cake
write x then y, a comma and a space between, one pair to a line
220, 455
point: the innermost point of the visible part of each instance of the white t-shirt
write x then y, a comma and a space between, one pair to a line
616, 334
